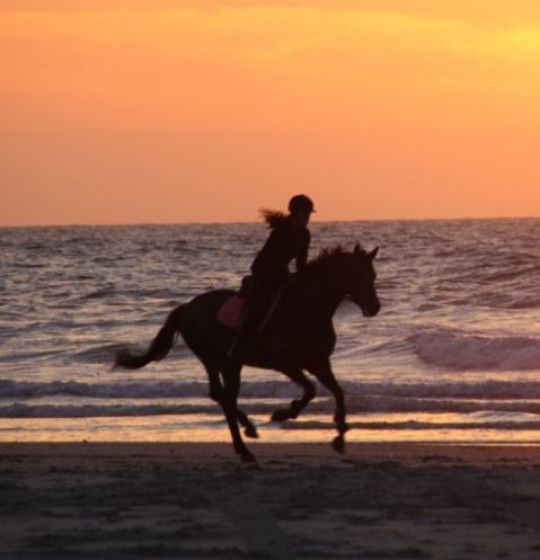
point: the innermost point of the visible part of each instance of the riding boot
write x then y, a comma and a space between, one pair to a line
245, 338
260, 297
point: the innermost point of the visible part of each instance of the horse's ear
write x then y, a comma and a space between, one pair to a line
357, 249
373, 253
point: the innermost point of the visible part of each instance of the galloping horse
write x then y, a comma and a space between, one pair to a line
300, 336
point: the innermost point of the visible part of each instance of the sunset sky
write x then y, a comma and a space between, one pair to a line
162, 111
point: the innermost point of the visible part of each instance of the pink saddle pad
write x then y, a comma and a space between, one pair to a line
230, 313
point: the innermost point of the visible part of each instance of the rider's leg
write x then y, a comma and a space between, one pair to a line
258, 301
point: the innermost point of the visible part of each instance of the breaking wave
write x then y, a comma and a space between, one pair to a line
74, 399
451, 349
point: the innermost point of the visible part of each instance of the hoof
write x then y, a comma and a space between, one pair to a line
251, 432
280, 416
339, 444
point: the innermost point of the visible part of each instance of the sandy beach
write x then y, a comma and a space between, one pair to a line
194, 500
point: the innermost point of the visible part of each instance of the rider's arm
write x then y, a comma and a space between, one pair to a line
301, 259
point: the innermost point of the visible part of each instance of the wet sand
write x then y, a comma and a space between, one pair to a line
194, 500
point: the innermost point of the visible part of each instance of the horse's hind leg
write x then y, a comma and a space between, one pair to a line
250, 430
323, 372
231, 379
228, 404
297, 405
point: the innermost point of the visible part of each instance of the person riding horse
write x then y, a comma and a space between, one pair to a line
314, 298
289, 239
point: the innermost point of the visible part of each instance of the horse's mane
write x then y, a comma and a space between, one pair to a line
326, 257
272, 217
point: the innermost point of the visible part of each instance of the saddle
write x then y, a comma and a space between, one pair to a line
230, 313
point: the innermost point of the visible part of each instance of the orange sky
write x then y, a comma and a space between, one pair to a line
163, 111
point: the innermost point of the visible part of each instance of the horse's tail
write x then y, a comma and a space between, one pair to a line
159, 347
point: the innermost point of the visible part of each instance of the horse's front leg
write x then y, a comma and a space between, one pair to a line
297, 405
323, 372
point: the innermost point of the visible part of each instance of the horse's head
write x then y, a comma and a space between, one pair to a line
361, 282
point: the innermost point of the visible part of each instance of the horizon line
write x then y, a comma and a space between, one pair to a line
236, 222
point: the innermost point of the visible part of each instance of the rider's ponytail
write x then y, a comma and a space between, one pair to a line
272, 217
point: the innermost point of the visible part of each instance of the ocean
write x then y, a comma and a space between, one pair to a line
453, 355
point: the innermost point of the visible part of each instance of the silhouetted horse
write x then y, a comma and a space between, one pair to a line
300, 336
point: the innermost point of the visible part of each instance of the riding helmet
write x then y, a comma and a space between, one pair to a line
301, 203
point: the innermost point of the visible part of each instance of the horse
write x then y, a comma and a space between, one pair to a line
299, 336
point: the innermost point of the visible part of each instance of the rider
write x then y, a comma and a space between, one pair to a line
289, 239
